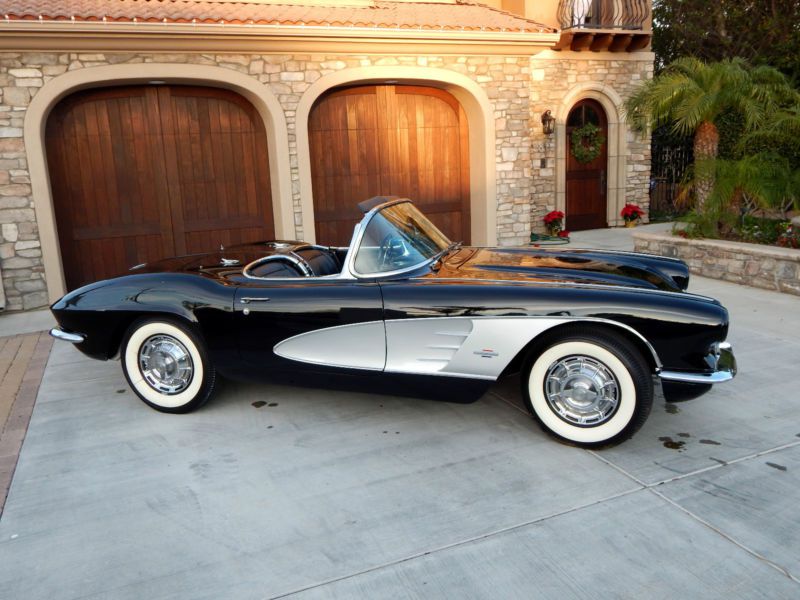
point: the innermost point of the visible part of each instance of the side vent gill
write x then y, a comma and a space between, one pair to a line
425, 346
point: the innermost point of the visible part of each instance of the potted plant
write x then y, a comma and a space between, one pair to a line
554, 221
631, 213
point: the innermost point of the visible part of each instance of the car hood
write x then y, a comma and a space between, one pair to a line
567, 266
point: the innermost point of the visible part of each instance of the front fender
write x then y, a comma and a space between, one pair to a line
680, 328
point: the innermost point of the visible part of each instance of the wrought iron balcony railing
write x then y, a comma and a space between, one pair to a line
627, 15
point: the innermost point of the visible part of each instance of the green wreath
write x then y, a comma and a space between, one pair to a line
587, 143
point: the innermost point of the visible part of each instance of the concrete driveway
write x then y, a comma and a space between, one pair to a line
272, 491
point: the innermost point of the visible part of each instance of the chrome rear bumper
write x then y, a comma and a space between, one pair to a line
723, 362
60, 334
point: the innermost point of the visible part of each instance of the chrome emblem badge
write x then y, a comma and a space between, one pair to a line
486, 353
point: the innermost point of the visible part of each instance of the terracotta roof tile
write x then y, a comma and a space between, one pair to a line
462, 16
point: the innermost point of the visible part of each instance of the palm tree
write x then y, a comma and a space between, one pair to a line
763, 181
690, 95
781, 135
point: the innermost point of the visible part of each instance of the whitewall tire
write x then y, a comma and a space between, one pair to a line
167, 366
589, 389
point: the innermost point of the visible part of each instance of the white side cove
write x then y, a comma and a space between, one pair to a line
358, 346
475, 347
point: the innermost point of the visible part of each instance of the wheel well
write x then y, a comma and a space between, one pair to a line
124, 324
540, 343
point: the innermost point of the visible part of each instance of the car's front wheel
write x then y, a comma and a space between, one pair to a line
589, 388
167, 366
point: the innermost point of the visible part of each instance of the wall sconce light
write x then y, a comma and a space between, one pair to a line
548, 123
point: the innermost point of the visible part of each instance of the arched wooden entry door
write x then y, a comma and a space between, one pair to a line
587, 182
386, 140
143, 172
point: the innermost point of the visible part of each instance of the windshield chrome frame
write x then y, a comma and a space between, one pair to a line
348, 272
358, 236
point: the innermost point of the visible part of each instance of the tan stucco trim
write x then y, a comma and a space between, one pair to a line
612, 103
178, 37
302, 31
479, 111
59, 87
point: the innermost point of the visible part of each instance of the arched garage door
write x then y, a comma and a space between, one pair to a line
143, 172
387, 140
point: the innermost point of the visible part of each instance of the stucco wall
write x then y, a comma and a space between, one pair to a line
521, 190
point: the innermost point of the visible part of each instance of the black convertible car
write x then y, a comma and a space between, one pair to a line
587, 330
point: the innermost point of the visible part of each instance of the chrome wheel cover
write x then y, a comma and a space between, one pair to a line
165, 364
581, 390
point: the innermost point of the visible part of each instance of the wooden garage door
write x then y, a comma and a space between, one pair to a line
144, 172
389, 141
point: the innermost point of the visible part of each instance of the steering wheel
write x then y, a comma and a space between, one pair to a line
252, 271
302, 264
392, 247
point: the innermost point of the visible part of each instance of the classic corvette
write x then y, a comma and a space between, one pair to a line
591, 333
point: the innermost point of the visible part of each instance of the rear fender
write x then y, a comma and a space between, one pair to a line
103, 311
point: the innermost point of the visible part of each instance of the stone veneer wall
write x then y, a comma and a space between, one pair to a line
552, 80
525, 191
765, 267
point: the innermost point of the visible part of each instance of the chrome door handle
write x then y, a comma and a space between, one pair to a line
248, 300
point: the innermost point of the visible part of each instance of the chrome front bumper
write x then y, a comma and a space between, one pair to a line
60, 334
722, 360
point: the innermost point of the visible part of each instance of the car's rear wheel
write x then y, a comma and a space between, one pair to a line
589, 388
167, 366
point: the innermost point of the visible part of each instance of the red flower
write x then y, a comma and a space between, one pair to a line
553, 216
631, 212
564, 234
790, 238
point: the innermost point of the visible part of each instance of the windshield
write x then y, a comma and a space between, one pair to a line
398, 237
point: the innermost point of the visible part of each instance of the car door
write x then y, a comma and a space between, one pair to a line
310, 324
